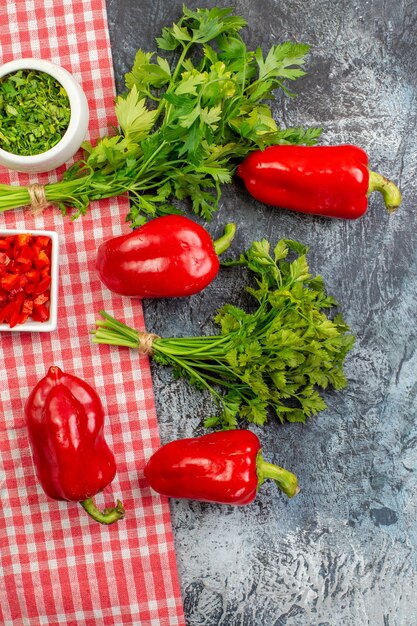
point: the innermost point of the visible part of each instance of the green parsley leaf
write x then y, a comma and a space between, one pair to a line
134, 118
146, 75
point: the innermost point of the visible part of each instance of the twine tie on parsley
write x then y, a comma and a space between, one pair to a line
38, 200
145, 342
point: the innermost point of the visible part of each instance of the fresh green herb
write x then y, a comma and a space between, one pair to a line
275, 358
191, 113
34, 112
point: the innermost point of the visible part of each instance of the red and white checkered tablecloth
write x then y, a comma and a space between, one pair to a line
57, 565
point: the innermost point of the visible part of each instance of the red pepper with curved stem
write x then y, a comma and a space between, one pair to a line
224, 467
332, 181
64, 416
168, 257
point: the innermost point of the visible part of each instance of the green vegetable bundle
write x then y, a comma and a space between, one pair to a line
185, 122
275, 358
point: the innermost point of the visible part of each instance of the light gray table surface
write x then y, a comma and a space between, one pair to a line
343, 552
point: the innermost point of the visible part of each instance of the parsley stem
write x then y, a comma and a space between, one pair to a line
194, 375
189, 348
163, 103
150, 159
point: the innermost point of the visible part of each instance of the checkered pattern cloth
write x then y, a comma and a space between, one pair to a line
58, 566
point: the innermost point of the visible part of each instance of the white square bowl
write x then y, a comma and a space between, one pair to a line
50, 324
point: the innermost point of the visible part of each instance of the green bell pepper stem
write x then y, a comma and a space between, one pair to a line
285, 480
221, 244
108, 516
390, 192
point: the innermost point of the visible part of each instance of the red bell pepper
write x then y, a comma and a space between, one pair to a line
73, 462
332, 181
168, 257
224, 467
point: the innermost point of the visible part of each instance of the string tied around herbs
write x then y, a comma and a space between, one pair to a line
145, 342
38, 199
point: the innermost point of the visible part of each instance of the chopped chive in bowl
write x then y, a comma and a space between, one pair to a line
34, 112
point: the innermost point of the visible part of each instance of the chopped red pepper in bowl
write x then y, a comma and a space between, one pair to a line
28, 280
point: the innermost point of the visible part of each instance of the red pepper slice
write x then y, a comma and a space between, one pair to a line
6, 311
15, 316
12, 267
23, 281
27, 309
24, 265
22, 239
40, 312
42, 241
33, 276
41, 260
43, 285
23, 254
4, 259
41, 299
9, 282
4, 262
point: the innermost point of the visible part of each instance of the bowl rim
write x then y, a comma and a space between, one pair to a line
73, 90
51, 324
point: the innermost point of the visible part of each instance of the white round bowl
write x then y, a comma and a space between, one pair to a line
77, 127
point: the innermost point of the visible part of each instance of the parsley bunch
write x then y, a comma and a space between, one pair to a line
185, 122
275, 358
